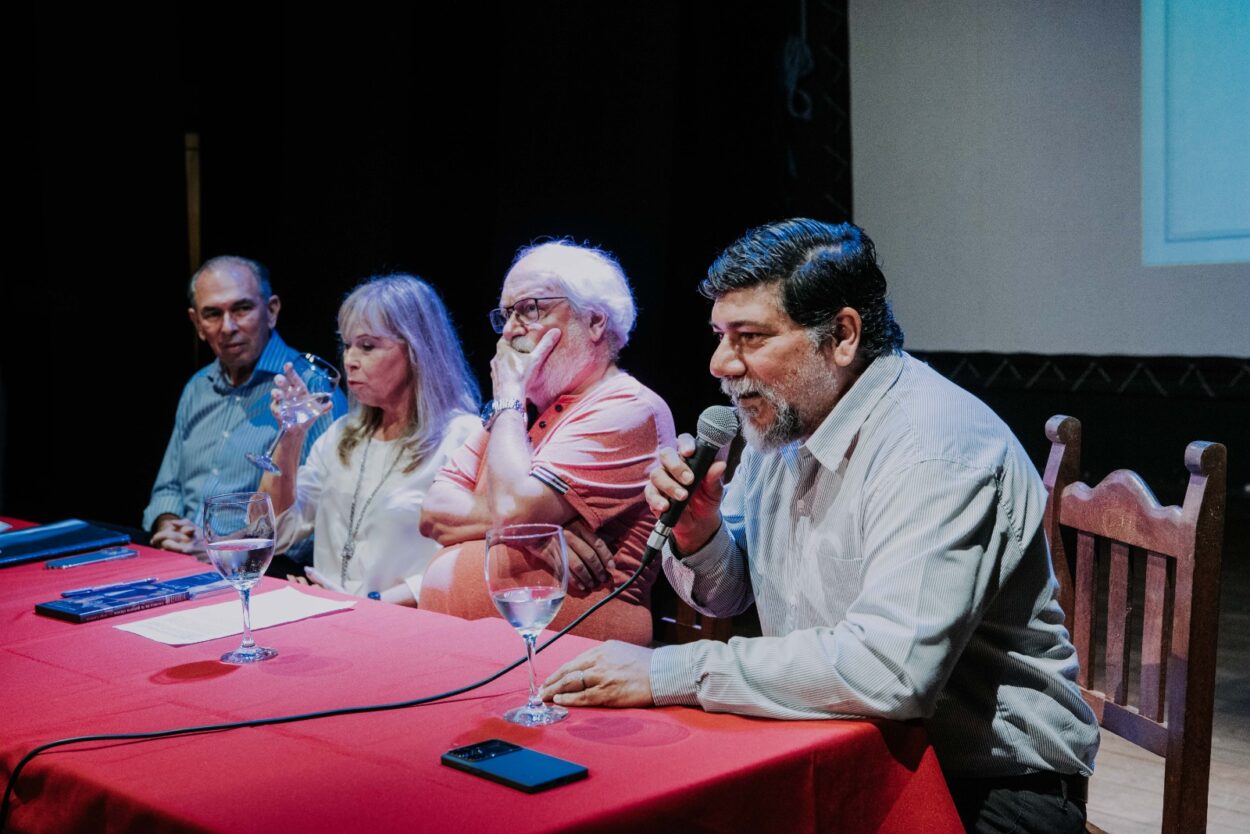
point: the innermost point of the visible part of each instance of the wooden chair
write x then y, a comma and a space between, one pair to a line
1113, 522
673, 621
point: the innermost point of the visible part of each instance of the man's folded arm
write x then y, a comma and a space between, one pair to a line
452, 514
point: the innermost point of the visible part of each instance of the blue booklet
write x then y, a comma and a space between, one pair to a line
127, 597
70, 536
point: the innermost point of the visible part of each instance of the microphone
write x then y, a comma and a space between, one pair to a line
717, 426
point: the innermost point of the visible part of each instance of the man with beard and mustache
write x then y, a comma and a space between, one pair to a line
887, 525
582, 461
224, 410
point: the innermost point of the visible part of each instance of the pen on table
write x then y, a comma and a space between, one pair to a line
99, 589
209, 591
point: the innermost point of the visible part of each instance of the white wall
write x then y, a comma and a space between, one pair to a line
997, 165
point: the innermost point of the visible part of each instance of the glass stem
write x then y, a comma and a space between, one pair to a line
535, 701
248, 643
273, 447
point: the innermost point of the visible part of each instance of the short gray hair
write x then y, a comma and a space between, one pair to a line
598, 283
258, 270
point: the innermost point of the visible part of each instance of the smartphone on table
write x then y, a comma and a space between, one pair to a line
512, 765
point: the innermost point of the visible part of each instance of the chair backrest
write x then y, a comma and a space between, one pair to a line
674, 622
1120, 524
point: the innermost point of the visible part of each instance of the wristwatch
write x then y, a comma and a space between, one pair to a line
494, 408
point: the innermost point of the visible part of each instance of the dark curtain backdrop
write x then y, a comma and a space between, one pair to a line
344, 143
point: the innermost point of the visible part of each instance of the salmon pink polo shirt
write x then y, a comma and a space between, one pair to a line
595, 449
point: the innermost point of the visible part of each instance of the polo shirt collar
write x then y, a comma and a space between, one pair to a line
566, 401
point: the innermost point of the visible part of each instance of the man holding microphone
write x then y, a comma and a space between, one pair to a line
888, 527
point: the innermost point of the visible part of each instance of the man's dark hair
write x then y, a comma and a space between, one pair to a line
822, 268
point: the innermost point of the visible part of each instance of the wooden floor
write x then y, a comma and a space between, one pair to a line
1126, 794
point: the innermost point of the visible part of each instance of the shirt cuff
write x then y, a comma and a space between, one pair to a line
682, 572
710, 553
159, 507
674, 680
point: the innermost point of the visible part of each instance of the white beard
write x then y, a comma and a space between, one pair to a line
562, 367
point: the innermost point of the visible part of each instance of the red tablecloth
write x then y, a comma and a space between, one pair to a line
666, 769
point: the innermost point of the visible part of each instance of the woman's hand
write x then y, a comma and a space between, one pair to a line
319, 579
288, 388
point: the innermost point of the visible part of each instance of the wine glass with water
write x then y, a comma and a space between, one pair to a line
239, 534
527, 576
303, 401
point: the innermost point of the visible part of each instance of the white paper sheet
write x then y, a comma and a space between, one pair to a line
213, 621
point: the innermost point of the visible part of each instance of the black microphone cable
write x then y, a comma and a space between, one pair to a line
717, 425
647, 558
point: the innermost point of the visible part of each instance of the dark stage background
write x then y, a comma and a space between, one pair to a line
340, 145
371, 139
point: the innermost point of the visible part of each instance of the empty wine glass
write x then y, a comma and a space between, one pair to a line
238, 532
303, 402
527, 571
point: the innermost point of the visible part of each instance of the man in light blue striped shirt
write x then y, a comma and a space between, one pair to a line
888, 527
224, 410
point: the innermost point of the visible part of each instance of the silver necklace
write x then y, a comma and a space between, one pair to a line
353, 523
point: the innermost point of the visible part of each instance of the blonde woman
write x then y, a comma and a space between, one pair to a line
361, 489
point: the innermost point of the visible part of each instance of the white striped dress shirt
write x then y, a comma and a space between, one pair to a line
899, 567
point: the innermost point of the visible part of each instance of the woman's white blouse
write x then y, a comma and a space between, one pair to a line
389, 544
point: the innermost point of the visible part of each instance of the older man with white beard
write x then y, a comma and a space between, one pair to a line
582, 460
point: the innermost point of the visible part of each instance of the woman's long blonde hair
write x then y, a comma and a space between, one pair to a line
406, 308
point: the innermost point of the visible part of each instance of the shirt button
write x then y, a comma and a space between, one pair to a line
559, 408
225, 434
542, 424
215, 471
